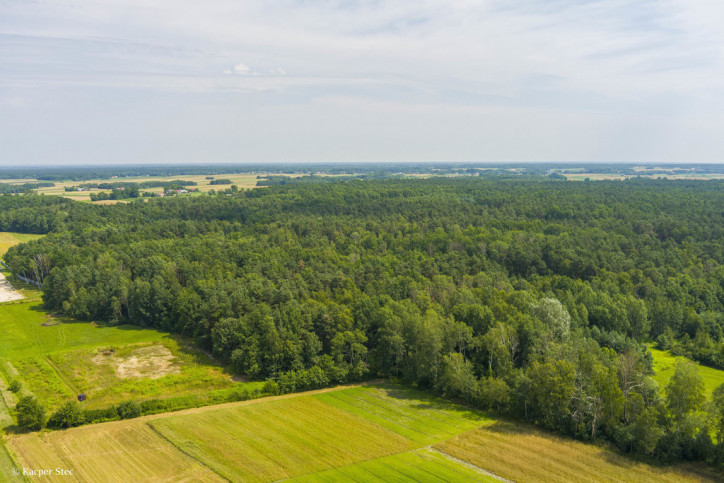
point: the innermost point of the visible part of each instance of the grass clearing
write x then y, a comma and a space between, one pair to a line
8, 239
416, 415
26, 330
664, 364
521, 453
279, 439
57, 358
140, 371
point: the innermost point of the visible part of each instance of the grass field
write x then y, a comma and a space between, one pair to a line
108, 375
664, 364
311, 437
22, 333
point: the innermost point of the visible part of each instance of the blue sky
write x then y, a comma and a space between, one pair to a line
160, 81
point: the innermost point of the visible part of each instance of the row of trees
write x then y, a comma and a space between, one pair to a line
531, 296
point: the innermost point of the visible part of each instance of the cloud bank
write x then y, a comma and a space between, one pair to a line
431, 80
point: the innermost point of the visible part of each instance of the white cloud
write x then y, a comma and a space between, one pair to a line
243, 69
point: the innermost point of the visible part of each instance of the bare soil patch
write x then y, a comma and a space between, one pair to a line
150, 362
7, 292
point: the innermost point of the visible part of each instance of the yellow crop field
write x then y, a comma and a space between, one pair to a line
521, 453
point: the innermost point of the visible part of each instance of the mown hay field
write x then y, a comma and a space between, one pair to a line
112, 452
522, 453
313, 438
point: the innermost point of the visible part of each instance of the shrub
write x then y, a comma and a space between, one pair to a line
15, 385
31, 414
69, 415
128, 410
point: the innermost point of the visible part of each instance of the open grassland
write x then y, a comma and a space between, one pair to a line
415, 415
312, 438
664, 364
418, 465
521, 453
138, 371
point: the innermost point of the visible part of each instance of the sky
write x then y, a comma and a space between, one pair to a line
242, 81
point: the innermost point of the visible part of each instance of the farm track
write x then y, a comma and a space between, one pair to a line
61, 375
468, 465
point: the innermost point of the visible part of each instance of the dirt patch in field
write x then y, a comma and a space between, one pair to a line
7, 292
149, 362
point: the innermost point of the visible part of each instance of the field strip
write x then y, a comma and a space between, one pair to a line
61, 376
346, 406
180, 448
5, 418
469, 465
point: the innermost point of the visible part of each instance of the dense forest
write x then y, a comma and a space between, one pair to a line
529, 295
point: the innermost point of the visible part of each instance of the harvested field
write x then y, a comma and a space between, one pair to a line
280, 439
521, 453
131, 452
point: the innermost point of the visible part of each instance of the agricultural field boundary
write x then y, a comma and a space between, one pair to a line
469, 465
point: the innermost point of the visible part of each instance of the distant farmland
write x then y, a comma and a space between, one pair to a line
369, 433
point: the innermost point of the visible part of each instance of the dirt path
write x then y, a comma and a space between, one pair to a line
7, 292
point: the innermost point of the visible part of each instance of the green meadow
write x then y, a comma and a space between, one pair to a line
664, 364
28, 331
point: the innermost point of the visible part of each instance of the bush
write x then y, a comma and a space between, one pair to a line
15, 386
31, 414
69, 415
271, 388
128, 410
